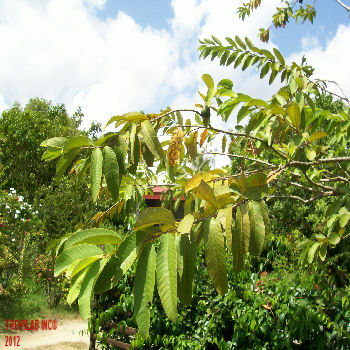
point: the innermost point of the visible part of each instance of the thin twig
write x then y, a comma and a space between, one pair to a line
317, 184
295, 184
347, 8
305, 201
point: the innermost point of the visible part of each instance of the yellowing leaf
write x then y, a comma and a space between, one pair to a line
317, 135
154, 216
223, 144
203, 137
215, 256
185, 225
204, 191
208, 176
293, 112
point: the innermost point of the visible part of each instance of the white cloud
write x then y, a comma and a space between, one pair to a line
96, 3
3, 104
61, 50
332, 61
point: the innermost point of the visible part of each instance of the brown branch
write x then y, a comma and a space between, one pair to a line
317, 184
335, 179
319, 161
237, 134
305, 201
295, 184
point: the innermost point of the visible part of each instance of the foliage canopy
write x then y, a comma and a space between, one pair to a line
286, 140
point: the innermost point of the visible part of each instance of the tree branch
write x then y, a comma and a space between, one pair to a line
333, 82
295, 184
347, 8
317, 184
319, 161
305, 201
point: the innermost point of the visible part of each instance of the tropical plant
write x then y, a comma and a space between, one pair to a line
292, 141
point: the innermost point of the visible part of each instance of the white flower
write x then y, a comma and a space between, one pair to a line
13, 239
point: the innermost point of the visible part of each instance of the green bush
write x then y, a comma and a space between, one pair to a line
22, 239
289, 307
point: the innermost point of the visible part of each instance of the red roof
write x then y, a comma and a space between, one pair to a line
157, 191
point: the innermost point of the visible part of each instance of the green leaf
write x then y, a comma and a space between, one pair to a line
257, 103
265, 69
118, 265
77, 252
87, 287
310, 154
293, 112
185, 225
242, 113
265, 215
75, 288
80, 265
279, 56
334, 238
55, 142
249, 43
240, 42
154, 216
273, 76
312, 251
120, 151
76, 142
83, 170
228, 226
256, 186
111, 171
150, 138
65, 161
322, 252
187, 253
293, 86
167, 275
208, 81
215, 255
240, 237
96, 172
144, 287
93, 236
257, 229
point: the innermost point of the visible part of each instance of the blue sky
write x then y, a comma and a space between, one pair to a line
158, 13
115, 56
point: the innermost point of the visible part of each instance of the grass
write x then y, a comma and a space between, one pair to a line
33, 305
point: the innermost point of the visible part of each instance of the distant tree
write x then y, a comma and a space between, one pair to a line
22, 130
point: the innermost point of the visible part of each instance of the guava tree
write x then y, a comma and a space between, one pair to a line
284, 140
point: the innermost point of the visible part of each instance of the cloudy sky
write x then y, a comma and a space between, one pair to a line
115, 56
